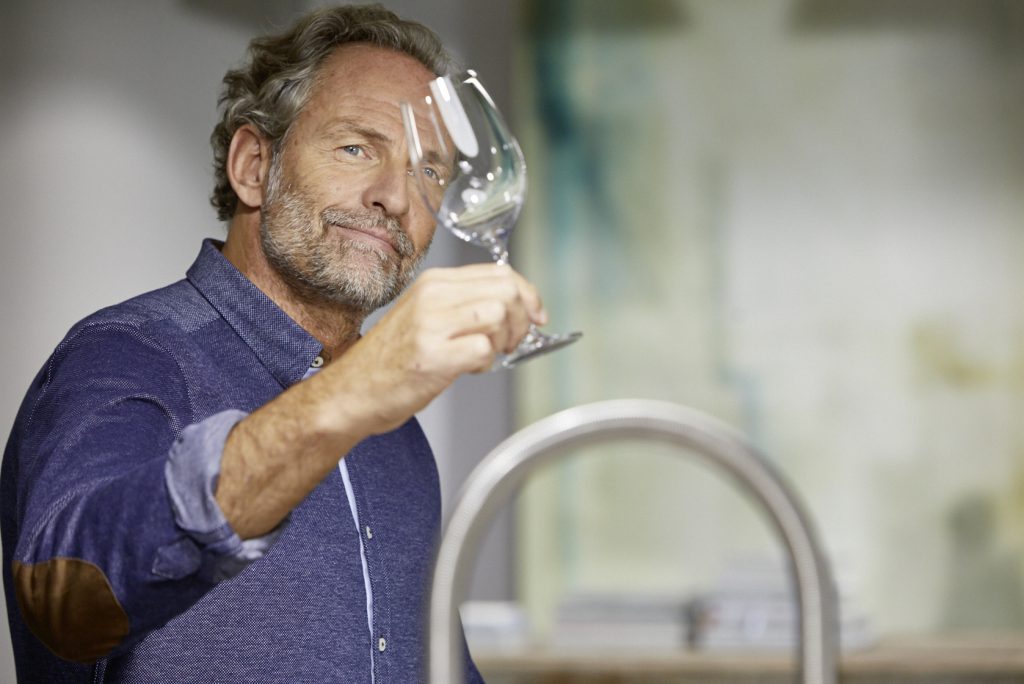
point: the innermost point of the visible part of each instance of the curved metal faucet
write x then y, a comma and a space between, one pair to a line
495, 479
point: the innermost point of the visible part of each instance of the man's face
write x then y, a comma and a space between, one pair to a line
342, 220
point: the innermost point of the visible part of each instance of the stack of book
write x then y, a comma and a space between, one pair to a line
495, 626
620, 623
753, 607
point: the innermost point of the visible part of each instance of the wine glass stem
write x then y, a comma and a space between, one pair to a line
498, 250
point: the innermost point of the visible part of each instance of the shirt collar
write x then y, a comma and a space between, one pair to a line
280, 343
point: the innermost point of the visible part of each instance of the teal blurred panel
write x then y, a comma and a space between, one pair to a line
806, 218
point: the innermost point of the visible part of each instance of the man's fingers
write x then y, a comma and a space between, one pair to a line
475, 351
448, 285
505, 323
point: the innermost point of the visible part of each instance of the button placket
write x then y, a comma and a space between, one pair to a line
379, 643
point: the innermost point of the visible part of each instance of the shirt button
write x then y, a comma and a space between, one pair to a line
369, 535
317, 362
381, 644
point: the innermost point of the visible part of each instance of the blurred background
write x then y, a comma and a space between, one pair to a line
804, 217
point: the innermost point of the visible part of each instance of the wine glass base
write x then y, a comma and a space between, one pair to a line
535, 344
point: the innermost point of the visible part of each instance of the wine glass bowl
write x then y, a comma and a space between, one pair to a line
482, 206
471, 174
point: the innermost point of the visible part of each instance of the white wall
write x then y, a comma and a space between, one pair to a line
105, 113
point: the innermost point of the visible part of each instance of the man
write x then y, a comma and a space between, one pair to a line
221, 481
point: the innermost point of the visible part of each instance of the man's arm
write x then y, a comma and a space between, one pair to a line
99, 559
105, 553
450, 322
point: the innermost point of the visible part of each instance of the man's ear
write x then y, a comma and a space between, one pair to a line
248, 164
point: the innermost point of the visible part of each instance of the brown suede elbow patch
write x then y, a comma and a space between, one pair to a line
69, 605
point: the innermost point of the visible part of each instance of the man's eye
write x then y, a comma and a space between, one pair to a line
352, 150
435, 175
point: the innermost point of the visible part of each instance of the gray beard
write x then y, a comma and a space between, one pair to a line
351, 274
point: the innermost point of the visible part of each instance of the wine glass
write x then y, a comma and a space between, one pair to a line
472, 176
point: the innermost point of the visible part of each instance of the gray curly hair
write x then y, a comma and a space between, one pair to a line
274, 84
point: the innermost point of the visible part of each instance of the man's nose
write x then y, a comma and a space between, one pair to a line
389, 189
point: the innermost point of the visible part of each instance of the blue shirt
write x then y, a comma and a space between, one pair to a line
115, 553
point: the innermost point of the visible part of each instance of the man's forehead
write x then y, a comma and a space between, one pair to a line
364, 81
359, 65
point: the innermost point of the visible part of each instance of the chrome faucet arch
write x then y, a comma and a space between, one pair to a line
499, 475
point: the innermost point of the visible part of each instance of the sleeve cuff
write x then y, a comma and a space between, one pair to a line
212, 548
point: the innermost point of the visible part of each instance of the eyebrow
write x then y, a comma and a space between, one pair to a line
434, 157
346, 126
343, 126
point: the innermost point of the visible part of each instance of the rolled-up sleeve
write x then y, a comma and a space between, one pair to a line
193, 467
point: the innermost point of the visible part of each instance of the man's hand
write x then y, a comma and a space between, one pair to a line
450, 322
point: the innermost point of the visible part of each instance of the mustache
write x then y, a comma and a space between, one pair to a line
374, 222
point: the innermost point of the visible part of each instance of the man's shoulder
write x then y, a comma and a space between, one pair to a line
138, 343
175, 306
159, 322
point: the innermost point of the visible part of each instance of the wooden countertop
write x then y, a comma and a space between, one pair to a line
973, 658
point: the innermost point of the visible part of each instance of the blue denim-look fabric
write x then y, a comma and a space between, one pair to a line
86, 475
